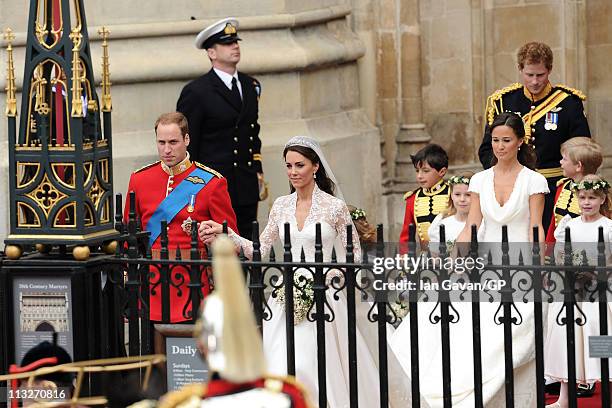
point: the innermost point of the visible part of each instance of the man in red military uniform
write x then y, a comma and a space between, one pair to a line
228, 337
178, 191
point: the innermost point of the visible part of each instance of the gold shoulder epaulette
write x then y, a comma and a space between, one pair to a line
147, 166
408, 194
509, 88
561, 181
208, 169
286, 379
576, 92
182, 396
291, 381
491, 109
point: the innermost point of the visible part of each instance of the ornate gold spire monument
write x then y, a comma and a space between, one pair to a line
60, 160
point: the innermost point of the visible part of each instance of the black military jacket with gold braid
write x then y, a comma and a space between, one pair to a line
551, 120
428, 203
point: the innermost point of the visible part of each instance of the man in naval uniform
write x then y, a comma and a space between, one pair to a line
228, 337
222, 109
552, 115
179, 191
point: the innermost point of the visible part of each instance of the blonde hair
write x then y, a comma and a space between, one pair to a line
242, 345
605, 208
585, 151
450, 209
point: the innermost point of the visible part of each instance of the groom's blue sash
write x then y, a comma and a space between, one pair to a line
176, 201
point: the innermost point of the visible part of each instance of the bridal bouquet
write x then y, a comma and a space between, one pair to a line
399, 305
303, 297
579, 258
400, 308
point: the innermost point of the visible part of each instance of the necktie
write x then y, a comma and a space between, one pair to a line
236, 92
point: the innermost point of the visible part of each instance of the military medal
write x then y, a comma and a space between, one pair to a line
190, 207
552, 118
186, 226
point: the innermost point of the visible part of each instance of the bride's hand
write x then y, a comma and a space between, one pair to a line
209, 230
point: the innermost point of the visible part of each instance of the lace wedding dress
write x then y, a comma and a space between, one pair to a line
333, 216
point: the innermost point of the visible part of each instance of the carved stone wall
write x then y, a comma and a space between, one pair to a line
304, 54
374, 80
438, 60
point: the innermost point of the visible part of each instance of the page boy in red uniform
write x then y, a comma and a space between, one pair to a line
580, 156
431, 198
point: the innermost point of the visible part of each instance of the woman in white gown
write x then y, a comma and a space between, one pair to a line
311, 202
460, 332
509, 194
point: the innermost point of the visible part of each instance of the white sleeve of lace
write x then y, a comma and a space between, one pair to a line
270, 232
266, 238
342, 220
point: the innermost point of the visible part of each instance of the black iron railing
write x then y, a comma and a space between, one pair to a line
136, 272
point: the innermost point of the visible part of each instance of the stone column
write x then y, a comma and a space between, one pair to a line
598, 54
412, 134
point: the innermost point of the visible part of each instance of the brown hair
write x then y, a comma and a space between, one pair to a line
450, 209
526, 154
585, 151
535, 53
176, 118
322, 180
366, 232
605, 208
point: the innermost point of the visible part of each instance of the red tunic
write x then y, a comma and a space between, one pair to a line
151, 186
229, 394
566, 205
422, 206
550, 234
408, 219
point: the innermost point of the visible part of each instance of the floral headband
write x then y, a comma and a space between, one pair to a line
458, 180
358, 213
592, 185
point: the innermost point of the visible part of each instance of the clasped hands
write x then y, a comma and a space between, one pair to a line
208, 231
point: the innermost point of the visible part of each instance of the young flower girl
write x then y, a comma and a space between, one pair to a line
429, 336
594, 201
455, 216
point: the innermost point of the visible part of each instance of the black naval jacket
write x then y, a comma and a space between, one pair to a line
570, 117
223, 135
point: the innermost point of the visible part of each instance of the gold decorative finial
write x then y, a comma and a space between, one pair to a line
107, 103
11, 100
41, 106
77, 90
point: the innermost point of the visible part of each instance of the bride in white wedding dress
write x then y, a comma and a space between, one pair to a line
510, 194
311, 202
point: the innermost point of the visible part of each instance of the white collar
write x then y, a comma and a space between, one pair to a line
227, 78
